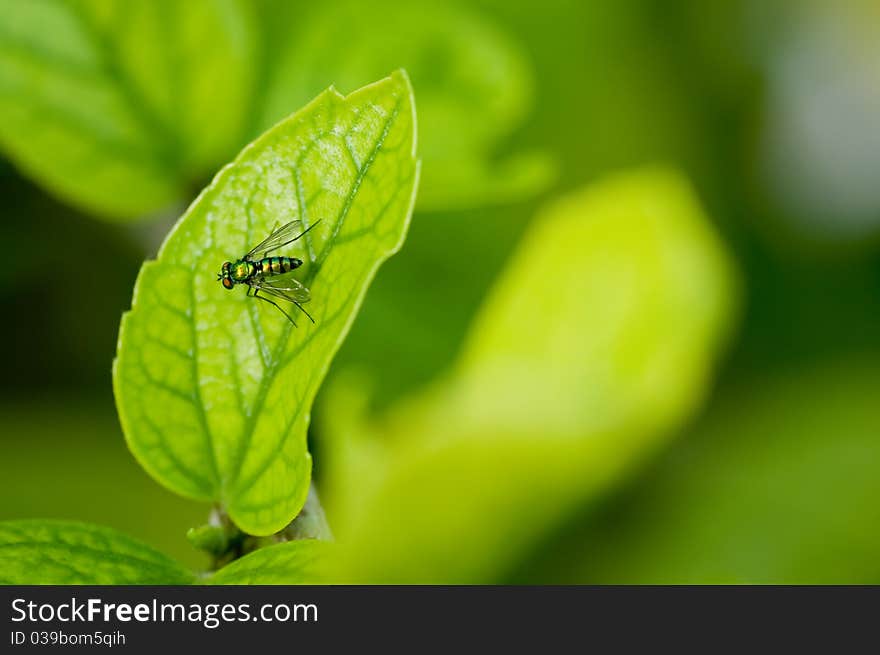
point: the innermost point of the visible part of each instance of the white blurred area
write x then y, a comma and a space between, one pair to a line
820, 142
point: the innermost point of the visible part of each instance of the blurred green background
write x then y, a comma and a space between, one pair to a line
772, 112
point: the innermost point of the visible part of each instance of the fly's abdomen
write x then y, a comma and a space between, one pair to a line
277, 265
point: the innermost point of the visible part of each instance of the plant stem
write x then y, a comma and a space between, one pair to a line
226, 543
310, 523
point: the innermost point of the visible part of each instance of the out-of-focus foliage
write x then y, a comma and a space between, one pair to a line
606, 97
777, 484
473, 85
551, 401
117, 105
67, 552
770, 108
152, 97
214, 390
820, 142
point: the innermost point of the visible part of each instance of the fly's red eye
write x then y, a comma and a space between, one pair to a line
226, 266
227, 283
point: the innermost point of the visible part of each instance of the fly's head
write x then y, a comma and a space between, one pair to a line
225, 276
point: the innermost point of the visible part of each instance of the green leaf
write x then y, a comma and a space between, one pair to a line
777, 484
294, 562
598, 341
115, 105
68, 552
214, 389
473, 82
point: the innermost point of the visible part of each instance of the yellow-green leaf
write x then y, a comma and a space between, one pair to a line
598, 341
214, 389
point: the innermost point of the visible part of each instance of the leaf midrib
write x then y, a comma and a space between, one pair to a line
268, 377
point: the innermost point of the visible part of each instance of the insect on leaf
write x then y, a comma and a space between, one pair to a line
214, 389
69, 552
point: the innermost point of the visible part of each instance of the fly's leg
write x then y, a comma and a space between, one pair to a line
304, 311
256, 294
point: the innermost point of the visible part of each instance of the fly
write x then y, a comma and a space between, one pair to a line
264, 275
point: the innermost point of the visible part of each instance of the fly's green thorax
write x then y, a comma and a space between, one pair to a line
241, 270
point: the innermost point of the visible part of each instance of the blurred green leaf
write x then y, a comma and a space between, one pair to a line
777, 485
68, 552
435, 287
473, 82
294, 562
214, 389
464, 181
117, 106
598, 341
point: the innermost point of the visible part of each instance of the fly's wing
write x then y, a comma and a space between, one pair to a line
285, 288
287, 233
